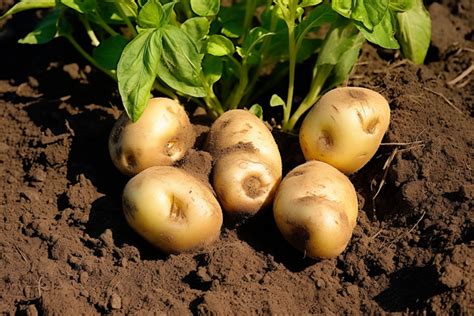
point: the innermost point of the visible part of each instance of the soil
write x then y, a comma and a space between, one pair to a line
65, 247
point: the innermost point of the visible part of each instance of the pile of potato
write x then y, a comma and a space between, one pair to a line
315, 205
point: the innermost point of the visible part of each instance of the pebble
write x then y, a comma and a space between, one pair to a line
115, 301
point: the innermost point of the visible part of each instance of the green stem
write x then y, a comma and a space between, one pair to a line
292, 63
89, 58
313, 95
160, 88
250, 7
263, 54
240, 90
90, 32
124, 16
104, 25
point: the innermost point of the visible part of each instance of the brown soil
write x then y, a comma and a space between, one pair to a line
65, 247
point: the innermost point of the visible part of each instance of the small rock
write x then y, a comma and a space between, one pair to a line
115, 301
83, 277
37, 175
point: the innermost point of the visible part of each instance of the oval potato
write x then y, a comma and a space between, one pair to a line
345, 128
247, 162
171, 209
315, 208
161, 136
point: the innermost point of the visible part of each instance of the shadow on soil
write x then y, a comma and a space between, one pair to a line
409, 289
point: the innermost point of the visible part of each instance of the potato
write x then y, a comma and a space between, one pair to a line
247, 163
171, 209
315, 208
160, 137
345, 128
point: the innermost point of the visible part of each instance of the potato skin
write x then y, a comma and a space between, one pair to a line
315, 208
247, 163
345, 128
161, 136
171, 209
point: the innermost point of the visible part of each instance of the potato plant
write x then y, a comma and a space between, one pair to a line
230, 56
226, 57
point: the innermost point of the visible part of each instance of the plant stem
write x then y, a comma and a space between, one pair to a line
313, 95
292, 62
105, 26
240, 90
90, 32
124, 16
89, 58
250, 7
263, 54
160, 88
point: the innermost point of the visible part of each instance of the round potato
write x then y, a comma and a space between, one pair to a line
171, 209
315, 208
161, 136
345, 128
247, 163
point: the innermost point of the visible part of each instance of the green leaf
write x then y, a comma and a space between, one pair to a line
316, 18
151, 15
414, 34
197, 28
108, 53
383, 34
369, 12
232, 19
109, 12
205, 7
257, 110
180, 62
46, 30
212, 68
82, 6
28, 5
255, 36
308, 3
307, 48
336, 42
401, 5
136, 71
219, 45
346, 62
276, 100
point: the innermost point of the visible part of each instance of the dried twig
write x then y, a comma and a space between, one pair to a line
464, 74
402, 144
392, 66
444, 98
406, 233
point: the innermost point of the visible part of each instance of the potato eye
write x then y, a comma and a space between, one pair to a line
325, 139
371, 128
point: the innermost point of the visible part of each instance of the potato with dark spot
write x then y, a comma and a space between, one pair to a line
171, 209
315, 208
161, 137
247, 163
345, 128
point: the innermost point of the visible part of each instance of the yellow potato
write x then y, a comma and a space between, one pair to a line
171, 209
315, 208
161, 136
345, 128
247, 163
